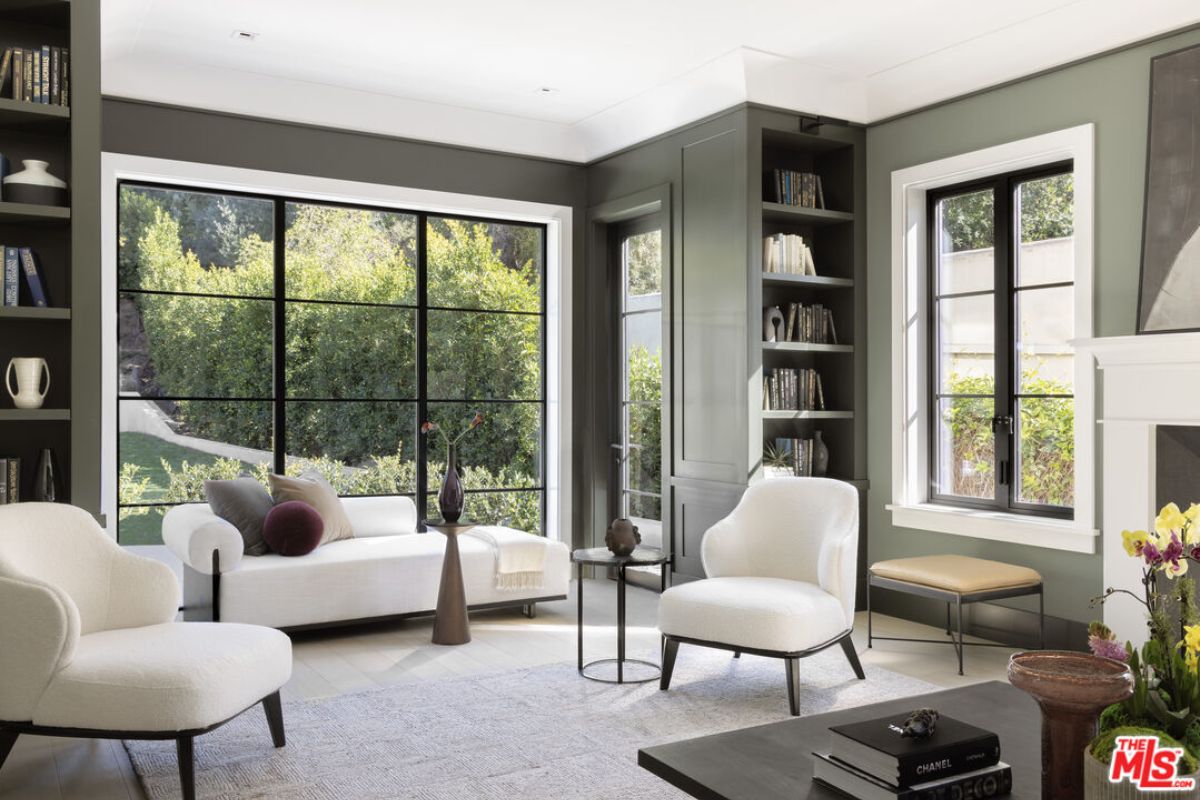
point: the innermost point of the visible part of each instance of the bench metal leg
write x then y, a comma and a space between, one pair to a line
947, 619
868, 612
1042, 619
960, 636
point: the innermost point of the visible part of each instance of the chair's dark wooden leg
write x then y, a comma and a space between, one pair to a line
737, 653
274, 710
793, 681
529, 610
852, 656
187, 767
7, 740
670, 648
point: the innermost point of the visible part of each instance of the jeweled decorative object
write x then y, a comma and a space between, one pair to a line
820, 456
622, 537
35, 184
28, 392
920, 724
452, 497
1071, 689
46, 486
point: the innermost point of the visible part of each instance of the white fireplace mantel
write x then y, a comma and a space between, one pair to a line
1148, 380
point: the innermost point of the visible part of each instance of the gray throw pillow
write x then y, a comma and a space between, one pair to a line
244, 503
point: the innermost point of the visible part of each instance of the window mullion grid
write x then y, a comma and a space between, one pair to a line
422, 442
279, 382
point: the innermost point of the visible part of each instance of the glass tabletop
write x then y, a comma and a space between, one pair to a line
602, 555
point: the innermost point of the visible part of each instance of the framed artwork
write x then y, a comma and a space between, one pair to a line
1169, 295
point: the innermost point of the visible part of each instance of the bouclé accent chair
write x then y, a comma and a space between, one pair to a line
781, 579
89, 646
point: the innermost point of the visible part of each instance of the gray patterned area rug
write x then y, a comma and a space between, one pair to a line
542, 733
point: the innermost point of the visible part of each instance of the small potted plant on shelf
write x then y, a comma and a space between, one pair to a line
1166, 698
777, 462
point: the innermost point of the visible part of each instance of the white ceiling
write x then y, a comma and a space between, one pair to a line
471, 72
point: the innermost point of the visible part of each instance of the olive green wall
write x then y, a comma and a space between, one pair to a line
1112, 92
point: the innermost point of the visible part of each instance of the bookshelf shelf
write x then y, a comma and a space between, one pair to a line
34, 117
807, 347
810, 281
779, 212
35, 415
786, 415
34, 313
29, 212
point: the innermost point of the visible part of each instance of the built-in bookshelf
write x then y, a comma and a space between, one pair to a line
822, 283
63, 240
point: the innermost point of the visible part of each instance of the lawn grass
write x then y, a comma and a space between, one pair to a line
148, 453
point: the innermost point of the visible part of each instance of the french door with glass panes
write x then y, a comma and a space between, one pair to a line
638, 441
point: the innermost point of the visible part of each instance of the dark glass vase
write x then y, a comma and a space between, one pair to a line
820, 456
451, 498
46, 488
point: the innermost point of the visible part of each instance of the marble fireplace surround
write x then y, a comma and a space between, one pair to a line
1148, 380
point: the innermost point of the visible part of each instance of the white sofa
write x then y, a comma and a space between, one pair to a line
386, 570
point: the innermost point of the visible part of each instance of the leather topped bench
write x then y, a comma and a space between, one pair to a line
958, 580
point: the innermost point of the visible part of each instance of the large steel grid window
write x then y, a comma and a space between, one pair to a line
1002, 314
245, 351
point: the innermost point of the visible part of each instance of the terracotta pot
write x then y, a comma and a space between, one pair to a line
1071, 689
1096, 785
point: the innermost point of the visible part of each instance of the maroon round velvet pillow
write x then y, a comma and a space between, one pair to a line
293, 528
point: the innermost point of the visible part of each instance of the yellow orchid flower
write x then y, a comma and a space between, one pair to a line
1191, 637
1169, 519
1192, 515
1192, 660
1176, 568
1133, 541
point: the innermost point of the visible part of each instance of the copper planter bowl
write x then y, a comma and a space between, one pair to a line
1071, 689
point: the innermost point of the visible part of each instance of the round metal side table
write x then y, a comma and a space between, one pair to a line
602, 557
451, 625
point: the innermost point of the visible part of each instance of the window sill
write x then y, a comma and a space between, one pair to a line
996, 526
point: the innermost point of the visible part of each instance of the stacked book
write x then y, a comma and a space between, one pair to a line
872, 761
793, 390
799, 455
798, 189
787, 253
812, 324
10, 480
21, 266
36, 75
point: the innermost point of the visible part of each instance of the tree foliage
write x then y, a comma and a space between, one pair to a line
1047, 212
645, 429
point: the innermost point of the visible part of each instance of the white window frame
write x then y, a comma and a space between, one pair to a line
910, 506
115, 167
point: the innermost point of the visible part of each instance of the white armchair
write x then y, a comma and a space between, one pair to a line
89, 646
781, 579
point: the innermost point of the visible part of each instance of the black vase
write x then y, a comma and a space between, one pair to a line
820, 456
451, 498
46, 487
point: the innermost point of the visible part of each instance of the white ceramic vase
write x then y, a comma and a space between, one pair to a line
35, 184
28, 371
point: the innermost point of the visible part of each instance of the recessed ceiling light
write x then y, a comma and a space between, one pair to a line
244, 36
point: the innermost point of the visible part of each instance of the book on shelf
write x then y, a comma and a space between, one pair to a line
36, 74
794, 188
798, 453
10, 480
812, 324
11, 277
787, 389
34, 279
789, 254
991, 781
877, 747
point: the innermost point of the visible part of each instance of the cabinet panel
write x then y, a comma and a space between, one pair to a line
697, 507
710, 312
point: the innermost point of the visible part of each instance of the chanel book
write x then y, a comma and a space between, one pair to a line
993, 781
877, 748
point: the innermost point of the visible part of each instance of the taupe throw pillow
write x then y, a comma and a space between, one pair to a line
313, 489
244, 503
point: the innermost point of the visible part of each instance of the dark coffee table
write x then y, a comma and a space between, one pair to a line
772, 762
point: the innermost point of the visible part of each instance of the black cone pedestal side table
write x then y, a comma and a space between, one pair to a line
602, 557
452, 625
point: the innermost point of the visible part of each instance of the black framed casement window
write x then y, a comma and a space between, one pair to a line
262, 334
1002, 300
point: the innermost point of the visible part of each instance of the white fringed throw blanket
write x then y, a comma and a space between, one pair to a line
520, 557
